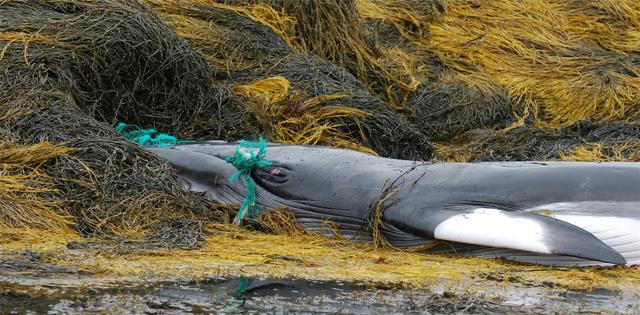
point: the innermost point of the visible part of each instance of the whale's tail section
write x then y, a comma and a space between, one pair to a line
511, 230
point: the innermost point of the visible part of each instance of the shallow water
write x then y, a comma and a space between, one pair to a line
60, 280
19, 295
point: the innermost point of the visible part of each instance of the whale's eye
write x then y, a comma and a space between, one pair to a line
272, 175
278, 179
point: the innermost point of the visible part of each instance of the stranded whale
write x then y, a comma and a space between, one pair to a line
560, 213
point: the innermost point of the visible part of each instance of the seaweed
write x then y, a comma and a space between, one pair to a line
423, 80
528, 143
68, 72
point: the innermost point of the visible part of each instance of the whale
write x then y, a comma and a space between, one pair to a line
549, 212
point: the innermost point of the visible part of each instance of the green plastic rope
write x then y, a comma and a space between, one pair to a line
242, 288
245, 159
146, 137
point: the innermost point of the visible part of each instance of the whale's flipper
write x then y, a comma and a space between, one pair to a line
620, 233
493, 227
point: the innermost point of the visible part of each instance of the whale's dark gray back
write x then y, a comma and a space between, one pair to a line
337, 180
525, 184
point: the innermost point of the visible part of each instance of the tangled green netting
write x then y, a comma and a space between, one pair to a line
245, 159
146, 137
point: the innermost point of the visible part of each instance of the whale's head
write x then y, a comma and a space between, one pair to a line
298, 176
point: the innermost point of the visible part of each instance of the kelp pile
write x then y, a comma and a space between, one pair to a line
68, 71
444, 80
457, 72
